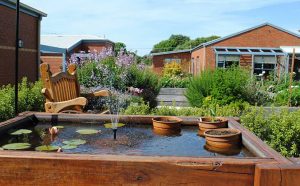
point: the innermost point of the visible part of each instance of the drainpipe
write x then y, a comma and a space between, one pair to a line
17, 56
38, 47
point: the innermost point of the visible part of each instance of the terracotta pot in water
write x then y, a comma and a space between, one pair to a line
223, 138
167, 123
166, 132
224, 151
206, 123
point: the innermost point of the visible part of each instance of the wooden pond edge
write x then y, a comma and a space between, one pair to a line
37, 168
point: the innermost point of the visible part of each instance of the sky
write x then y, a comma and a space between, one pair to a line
142, 23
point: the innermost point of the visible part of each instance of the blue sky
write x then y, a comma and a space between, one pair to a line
142, 23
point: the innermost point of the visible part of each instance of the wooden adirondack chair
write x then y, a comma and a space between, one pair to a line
62, 90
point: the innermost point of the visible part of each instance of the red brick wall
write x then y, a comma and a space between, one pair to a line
265, 36
28, 55
199, 59
91, 46
95, 46
158, 61
246, 61
54, 60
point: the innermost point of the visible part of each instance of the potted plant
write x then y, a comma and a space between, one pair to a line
223, 138
167, 123
211, 122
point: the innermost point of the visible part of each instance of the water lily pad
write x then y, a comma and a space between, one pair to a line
16, 146
47, 148
69, 147
59, 127
109, 125
88, 131
21, 132
75, 142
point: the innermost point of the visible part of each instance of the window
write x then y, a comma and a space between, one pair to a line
232, 50
255, 50
171, 60
225, 61
243, 50
221, 49
264, 64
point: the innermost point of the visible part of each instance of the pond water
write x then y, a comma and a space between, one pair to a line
132, 139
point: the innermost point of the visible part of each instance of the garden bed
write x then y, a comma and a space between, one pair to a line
267, 167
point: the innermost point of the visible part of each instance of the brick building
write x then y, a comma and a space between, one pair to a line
57, 49
264, 48
182, 57
30, 25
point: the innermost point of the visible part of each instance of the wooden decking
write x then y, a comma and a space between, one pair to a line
171, 96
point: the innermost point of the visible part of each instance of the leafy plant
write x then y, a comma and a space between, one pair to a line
172, 69
199, 87
282, 97
222, 86
145, 80
280, 129
174, 82
30, 98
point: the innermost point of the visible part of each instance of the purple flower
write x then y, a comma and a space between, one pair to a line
124, 60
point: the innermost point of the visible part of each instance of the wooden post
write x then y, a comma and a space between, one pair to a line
291, 78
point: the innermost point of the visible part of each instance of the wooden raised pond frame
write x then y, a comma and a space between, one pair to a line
37, 168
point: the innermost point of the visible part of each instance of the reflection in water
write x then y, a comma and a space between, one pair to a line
223, 151
165, 132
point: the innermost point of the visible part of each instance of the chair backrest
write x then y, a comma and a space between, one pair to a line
62, 86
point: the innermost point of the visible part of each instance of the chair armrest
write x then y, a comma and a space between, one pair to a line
100, 93
47, 94
55, 107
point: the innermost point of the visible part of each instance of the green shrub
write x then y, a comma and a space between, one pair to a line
145, 80
199, 87
137, 109
6, 103
222, 87
229, 85
234, 109
174, 82
172, 69
282, 97
30, 99
280, 130
104, 73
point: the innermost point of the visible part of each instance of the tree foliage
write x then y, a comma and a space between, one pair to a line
119, 46
180, 42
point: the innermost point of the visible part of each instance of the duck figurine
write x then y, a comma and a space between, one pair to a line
53, 131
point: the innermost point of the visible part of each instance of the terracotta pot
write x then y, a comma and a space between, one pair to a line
223, 151
205, 123
167, 123
166, 132
219, 140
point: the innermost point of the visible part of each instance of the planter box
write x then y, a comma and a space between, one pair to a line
35, 168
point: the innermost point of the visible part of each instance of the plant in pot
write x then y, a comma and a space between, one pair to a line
225, 138
211, 122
